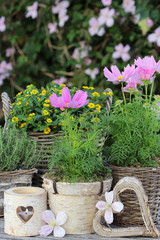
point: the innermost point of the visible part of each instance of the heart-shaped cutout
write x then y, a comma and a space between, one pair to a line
25, 213
149, 228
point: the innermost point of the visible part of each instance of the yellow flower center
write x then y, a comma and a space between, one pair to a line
119, 78
66, 104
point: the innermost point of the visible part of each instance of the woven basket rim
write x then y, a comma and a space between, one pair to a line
134, 168
18, 172
42, 133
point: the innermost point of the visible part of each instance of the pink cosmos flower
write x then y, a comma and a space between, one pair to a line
155, 37
87, 61
52, 27
129, 6
109, 206
92, 72
149, 22
60, 6
10, 52
2, 24
60, 80
63, 17
130, 87
32, 11
146, 67
78, 100
53, 223
121, 52
106, 17
95, 27
106, 2
115, 76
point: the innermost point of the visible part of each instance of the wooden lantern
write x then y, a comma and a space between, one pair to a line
22, 210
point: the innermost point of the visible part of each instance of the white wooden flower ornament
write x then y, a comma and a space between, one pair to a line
149, 228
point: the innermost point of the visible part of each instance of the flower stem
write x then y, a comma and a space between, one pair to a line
124, 99
130, 97
146, 89
150, 97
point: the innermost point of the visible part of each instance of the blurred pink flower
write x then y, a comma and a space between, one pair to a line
60, 80
10, 52
92, 72
60, 6
63, 17
52, 27
121, 52
78, 100
81, 52
53, 224
149, 22
87, 61
106, 17
109, 206
130, 87
129, 6
115, 76
2, 24
136, 18
155, 37
5, 69
95, 27
32, 10
106, 2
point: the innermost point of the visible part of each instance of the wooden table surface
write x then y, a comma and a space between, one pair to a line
4, 236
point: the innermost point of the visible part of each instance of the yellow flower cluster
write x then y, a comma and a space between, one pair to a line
15, 119
22, 125
85, 87
96, 94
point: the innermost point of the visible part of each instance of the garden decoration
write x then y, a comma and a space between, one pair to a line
133, 146
149, 229
77, 177
22, 210
6, 107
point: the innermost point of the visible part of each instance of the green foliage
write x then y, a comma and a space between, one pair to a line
77, 156
17, 151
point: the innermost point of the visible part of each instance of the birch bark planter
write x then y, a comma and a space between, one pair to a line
22, 210
78, 200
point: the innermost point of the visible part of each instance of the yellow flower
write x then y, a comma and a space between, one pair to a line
105, 93
13, 104
85, 87
110, 93
19, 94
15, 119
60, 92
96, 94
38, 98
97, 118
29, 118
27, 95
31, 114
91, 88
22, 125
47, 130
31, 85
43, 92
63, 85
47, 101
55, 126
46, 105
72, 118
45, 112
91, 105
26, 104
34, 91
55, 110
98, 106
49, 120
19, 103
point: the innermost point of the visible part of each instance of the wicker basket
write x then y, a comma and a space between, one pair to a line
14, 179
78, 200
150, 178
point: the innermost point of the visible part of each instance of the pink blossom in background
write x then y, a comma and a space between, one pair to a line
121, 52
5, 69
155, 37
65, 101
87, 61
106, 17
63, 17
92, 72
115, 76
95, 27
106, 2
53, 224
60, 6
129, 6
109, 206
149, 22
52, 27
2, 24
10, 52
60, 81
136, 18
81, 52
32, 11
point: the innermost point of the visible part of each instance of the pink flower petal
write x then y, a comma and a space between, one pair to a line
59, 231
117, 206
48, 216
108, 216
61, 218
66, 96
101, 205
109, 197
116, 55
46, 230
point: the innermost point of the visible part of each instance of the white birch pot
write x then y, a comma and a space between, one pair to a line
22, 210
78, 200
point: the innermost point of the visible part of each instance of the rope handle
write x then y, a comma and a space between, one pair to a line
109, 100
6, 108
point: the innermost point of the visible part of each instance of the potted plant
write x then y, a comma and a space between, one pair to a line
78, 177
18, 159
133, 145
